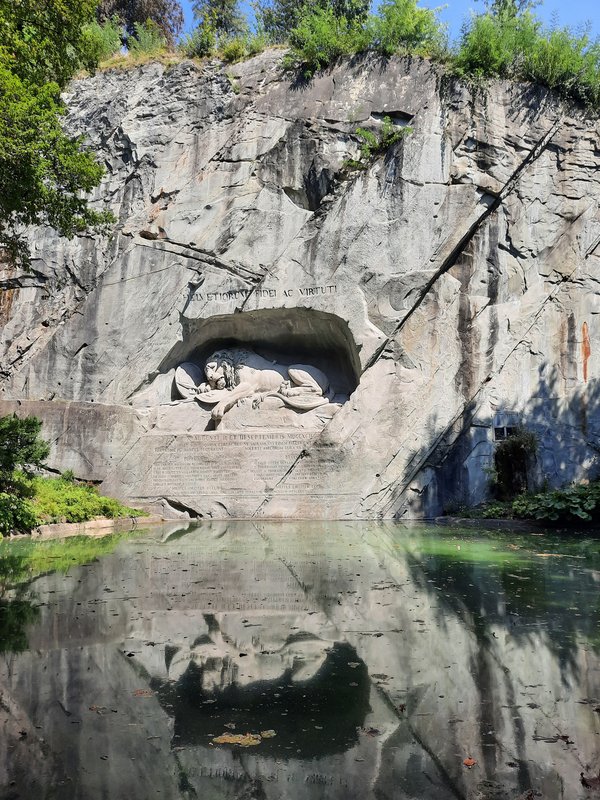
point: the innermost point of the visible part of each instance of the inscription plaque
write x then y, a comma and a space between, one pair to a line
212, 463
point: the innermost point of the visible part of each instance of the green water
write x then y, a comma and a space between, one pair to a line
353, 660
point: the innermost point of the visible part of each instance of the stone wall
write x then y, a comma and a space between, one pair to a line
446, 289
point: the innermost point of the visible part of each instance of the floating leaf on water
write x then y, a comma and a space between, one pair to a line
143, 693
268, 734
241, 739
469, 762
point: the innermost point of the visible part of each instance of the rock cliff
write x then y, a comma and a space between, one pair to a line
448, 289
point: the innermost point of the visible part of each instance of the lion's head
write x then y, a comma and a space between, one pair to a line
222, 367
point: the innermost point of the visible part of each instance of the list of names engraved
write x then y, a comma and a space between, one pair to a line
227, 463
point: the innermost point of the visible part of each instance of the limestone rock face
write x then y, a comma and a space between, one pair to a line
445, 290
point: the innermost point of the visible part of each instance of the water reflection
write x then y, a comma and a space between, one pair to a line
363, 660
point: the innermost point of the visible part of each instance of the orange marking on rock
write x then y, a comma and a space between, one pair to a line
586, 349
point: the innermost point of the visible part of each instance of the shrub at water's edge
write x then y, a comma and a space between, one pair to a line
63, 500
571, 505
27, 500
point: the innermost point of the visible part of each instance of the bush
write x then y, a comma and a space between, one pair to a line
321, 38
373, 145
201, 42
512, 462
62, 500
401, 27
147, 40
101, 41
567, 63
234, 49
495, 45
21, 449
16, 514
256, 44
573, 504
509, 44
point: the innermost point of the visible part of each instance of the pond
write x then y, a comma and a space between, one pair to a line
261, 661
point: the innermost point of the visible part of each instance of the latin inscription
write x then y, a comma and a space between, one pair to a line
232, 295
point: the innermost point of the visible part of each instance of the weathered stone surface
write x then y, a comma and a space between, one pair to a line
447, 288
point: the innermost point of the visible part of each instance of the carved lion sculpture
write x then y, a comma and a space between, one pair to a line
235, 374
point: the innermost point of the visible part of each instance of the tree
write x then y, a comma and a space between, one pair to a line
223, 16
279, 17
510, 8
21, 448
42, 41
167, 14
21, 451
43, 172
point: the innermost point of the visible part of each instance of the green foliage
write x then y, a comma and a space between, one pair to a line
62, 500
325, 32
512, 460
21, 449
101, 41
167, 14
494, 45
223, 15
43, 42
276, 18
201, 42
321, 37
234, 50
43, 172
402, 27
373, 145
148, 39
16, 514
568, 63
256, 43
571, 505
509, 41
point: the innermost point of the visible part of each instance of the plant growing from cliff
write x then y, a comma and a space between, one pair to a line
375, 144
326, 32
400, 26
234, 50
43, 172
201, 42
507, 40
276, 18
321, 37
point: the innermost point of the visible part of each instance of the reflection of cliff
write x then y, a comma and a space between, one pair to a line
376, 654
313, 717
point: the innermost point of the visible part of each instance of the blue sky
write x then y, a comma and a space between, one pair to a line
572, 13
